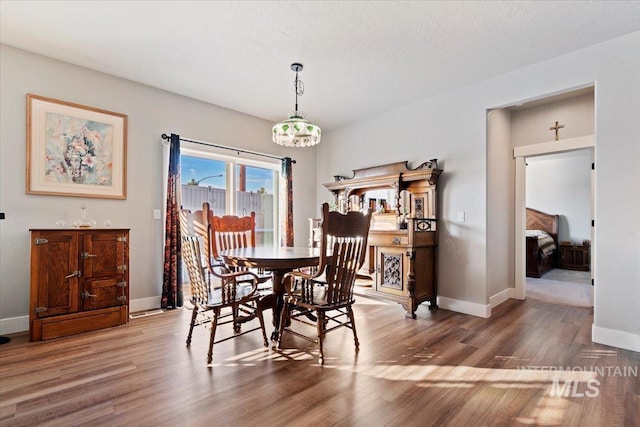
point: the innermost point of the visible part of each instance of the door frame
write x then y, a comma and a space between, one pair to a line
520, 154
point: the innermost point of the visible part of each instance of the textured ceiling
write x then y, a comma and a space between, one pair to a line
360, 57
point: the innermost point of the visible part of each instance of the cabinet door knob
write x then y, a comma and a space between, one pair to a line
86, 294
74, 274
85, 255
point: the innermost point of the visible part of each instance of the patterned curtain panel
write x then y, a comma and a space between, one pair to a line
172, 279
287, 199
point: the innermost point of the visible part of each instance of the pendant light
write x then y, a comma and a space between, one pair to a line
296, 131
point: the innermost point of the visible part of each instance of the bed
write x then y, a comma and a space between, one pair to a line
542, 242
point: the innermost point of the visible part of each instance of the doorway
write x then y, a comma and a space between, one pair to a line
520, 155
560, 184
516, 132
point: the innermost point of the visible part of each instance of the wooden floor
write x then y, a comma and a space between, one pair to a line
442, 369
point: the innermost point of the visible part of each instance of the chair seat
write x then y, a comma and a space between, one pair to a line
318, 300
242, 290
263, 278
264, 281
215, 294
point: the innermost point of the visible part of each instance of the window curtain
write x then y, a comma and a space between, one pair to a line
287, 200
172, 278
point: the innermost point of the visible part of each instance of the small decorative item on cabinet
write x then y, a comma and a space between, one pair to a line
83, 222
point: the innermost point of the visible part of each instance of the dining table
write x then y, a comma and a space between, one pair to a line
277, 260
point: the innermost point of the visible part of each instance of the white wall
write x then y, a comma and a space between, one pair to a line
531, 125
453, 128
151, 112
561, 184
500, 202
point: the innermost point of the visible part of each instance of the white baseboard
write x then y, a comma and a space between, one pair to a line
501, 297
142, 304
14, 325
464, 307
615, 338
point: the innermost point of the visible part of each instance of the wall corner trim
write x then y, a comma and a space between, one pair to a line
464, 307
559, 146
501, 297
615, 338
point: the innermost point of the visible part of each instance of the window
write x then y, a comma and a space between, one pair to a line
233, 186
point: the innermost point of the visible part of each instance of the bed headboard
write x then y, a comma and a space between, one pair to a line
537, 220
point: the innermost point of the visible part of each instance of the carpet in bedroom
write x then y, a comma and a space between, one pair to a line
560, 286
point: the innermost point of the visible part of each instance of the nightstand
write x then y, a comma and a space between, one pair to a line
575, 257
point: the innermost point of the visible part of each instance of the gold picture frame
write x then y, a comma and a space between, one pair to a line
75, 150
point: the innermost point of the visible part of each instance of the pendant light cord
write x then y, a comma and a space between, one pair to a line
299, 86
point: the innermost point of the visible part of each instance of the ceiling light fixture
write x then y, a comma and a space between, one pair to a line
296, 131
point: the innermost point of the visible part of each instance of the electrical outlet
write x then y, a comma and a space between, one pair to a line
157, 214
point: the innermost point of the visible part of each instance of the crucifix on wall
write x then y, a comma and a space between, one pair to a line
557, 127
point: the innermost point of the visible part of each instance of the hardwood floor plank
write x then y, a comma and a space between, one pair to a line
442, 368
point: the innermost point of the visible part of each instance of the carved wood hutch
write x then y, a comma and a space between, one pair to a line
402, 255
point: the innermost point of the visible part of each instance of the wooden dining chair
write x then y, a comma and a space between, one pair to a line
327, 294
196, 224
232, 232
210, 299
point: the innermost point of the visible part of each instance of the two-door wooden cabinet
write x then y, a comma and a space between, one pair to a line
402, 243
79, 281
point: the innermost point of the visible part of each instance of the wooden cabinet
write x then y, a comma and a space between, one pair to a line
79, 281
575, 257
402, 255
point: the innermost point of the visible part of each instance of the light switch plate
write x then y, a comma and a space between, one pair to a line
157, 214
461, 216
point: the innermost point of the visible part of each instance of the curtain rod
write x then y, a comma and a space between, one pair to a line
224, 147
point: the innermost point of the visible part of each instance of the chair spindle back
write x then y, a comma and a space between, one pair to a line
230, 231
192, 257
344, 239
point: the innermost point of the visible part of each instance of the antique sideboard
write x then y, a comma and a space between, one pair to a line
402, 253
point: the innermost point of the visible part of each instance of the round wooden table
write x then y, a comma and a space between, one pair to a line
279, 261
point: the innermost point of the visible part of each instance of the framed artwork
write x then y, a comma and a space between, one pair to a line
75, 150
